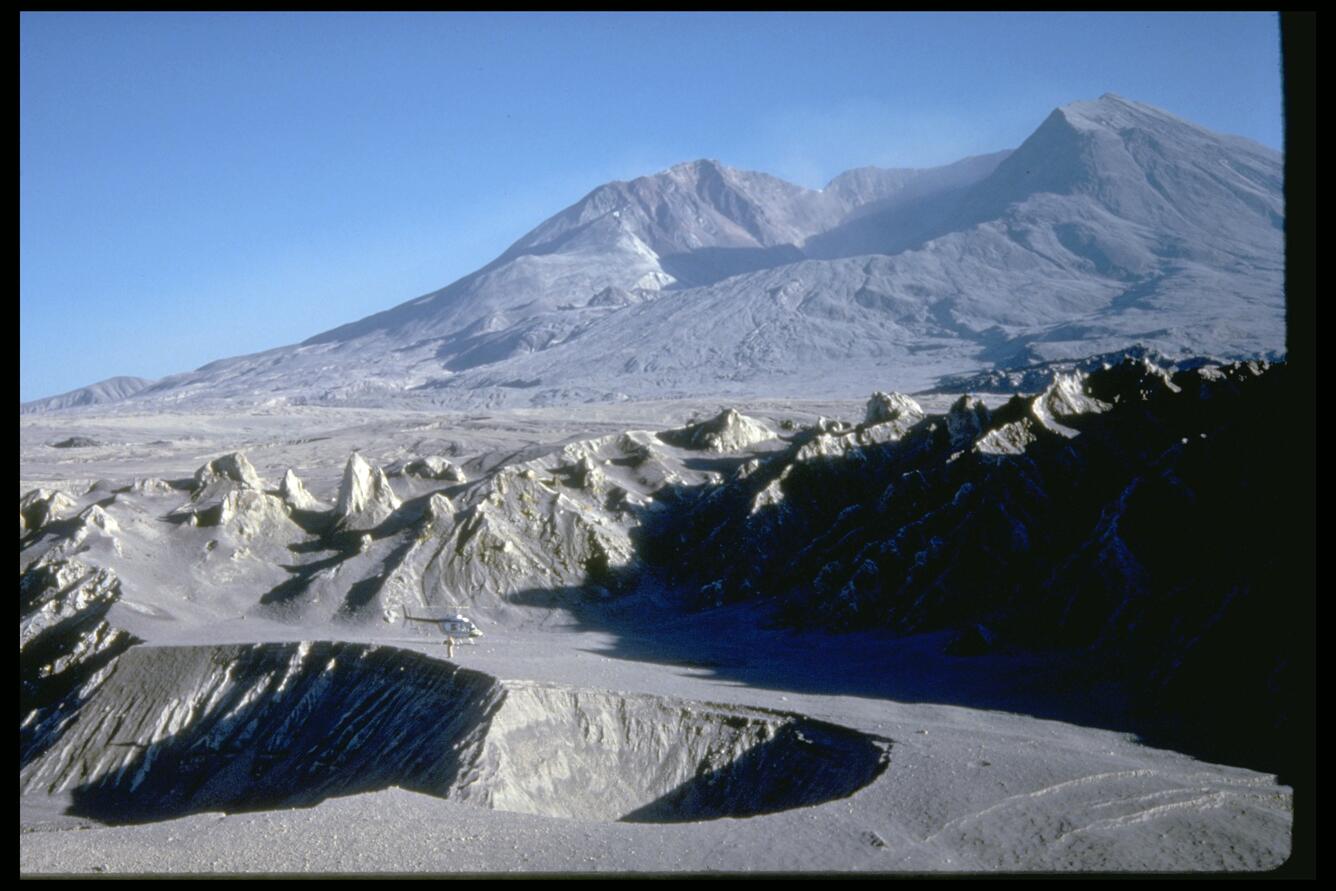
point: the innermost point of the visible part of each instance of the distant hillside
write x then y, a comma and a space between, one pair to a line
113, 389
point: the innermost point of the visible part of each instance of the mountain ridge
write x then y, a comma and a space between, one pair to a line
1114, 223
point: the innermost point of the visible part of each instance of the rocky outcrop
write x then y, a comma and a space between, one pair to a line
966, 421
982, 481
151, 486
553, 530
231, 470
531, 527
229, 493
1062, 399
179, 730
40, 506
93, 528
727, 431
434, 467
294, 494
366, 498
76, 442
1038, 377
65, 646
1015, 427
1102, 515
883, 407
615, 296
246, 511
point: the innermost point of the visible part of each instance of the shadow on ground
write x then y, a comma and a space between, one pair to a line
1142, 576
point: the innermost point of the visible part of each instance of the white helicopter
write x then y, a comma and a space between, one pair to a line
456, 626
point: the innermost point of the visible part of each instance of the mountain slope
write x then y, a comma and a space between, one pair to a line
1114, 223
113, 389
690, 225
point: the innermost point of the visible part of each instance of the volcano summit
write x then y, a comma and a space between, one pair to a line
1115, 223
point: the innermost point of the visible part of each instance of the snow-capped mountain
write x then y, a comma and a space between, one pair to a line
1115, 223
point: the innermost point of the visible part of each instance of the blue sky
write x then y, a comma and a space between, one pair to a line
199, 186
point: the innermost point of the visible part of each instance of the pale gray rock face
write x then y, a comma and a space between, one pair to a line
365, 495
229, 469
1009, 439
92, 528
546, 523
508, 745
40, 507
228, 492
293, 492
151, 485
1065, 397
65, 643
57, 591
251, 511
434, 467
884, 407
727, 431
440, 510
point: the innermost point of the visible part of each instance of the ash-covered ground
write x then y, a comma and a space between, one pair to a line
939, 633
